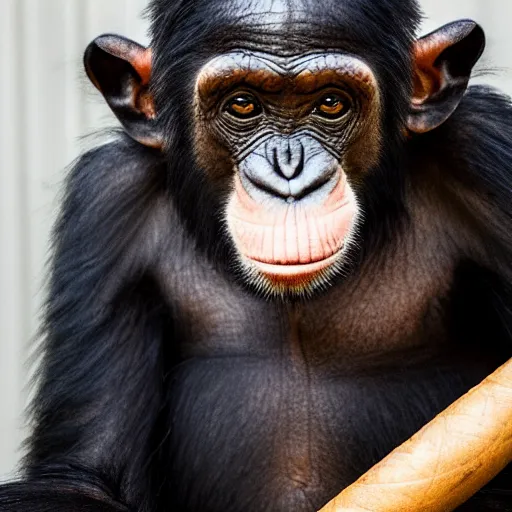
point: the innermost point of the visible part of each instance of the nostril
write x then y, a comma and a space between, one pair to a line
275, 162
300, 165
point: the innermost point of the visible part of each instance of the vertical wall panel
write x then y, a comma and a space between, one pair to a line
13, 299
47, 106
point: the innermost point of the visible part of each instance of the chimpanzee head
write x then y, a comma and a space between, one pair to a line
284, 121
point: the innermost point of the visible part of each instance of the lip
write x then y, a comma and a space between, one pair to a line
275, 270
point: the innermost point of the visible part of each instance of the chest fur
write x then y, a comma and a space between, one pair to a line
391, 305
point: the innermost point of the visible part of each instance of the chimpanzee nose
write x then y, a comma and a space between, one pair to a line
291, 168
287, 157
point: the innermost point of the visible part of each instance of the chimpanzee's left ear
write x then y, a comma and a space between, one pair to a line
121, 70
443, 61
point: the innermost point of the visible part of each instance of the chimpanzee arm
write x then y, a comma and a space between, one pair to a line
71, 490
101, 380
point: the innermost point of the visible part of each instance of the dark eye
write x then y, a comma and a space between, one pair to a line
332, 106
243, 106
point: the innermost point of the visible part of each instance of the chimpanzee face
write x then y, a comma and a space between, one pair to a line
294, 132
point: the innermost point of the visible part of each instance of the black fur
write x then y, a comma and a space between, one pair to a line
132, 414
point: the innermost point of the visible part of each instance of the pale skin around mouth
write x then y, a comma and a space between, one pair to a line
290, 241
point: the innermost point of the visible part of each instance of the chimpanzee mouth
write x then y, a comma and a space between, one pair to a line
291, 246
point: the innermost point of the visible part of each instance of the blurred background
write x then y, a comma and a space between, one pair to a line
46, 109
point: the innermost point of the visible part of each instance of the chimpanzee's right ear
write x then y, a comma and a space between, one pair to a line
121, 70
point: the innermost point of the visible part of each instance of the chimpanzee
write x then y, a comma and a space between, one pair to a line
296, 252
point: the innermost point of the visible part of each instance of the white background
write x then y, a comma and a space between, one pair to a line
47, 106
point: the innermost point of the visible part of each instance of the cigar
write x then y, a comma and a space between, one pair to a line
446, 462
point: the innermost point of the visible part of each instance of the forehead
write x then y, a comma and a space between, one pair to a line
280, 27
268, 12
271, 73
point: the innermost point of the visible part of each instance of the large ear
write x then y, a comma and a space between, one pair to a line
442, 63
121, 70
